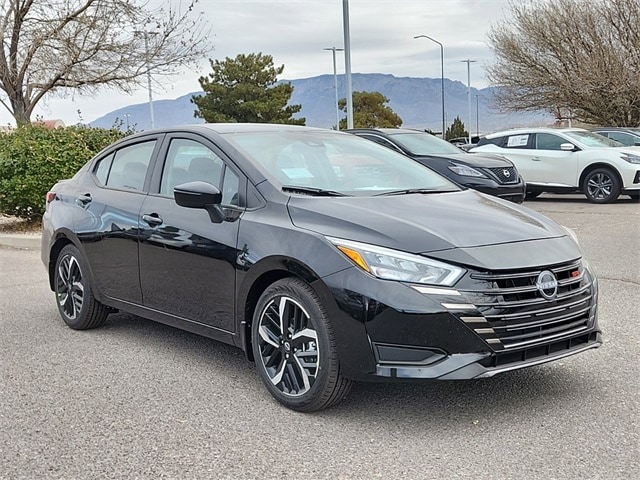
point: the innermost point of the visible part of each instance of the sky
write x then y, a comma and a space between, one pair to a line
296, 32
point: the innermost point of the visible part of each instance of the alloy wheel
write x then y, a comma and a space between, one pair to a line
288, 346
70, 287
600, 186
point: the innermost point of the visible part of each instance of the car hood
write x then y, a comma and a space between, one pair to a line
465, 227
484, 160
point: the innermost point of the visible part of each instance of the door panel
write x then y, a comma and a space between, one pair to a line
187, 262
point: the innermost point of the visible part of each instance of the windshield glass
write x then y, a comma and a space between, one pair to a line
590, 139
338, 162
424, 144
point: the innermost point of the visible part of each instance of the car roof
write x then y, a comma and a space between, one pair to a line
524, 131
617, 129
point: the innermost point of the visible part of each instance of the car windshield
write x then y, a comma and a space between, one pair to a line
419, 143
319, 161
590, 139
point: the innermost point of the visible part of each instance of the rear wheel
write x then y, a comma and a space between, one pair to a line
76, 303
294, 348
601, 186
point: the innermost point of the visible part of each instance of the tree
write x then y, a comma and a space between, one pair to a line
370, 111
59, 46
570, 57
456, 130
244, 90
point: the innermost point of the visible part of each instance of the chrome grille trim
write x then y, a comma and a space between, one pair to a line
519, 316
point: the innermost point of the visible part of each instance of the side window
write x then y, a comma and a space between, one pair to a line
548, 141
517, 141
126, 169
621, 137
102, 169
190, 161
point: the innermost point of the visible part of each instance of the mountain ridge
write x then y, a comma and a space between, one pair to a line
416, 100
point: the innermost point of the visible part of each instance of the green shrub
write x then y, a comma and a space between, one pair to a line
33, 158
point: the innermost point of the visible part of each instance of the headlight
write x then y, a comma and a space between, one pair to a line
630, 157
465, 171
388, 264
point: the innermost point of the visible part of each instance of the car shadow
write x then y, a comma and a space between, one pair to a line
410, 404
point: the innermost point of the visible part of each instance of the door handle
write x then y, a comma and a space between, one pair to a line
536, 159
84, 200
152, 219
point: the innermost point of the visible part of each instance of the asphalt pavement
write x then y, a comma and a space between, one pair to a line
137, 399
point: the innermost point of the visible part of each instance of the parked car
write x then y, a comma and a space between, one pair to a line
487, 173
325, 257
566, 160
629, 137
463, 142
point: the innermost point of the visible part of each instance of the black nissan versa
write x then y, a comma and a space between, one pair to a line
485, 172
325, 257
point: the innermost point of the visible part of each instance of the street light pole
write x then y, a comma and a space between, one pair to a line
347, 61
477, 116
146, 34
441, 76
335, 83
469, 62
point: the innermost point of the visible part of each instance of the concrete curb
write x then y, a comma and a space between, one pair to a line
31, 242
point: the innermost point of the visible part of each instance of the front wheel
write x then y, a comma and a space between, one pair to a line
294, 348
601, 186
76, 303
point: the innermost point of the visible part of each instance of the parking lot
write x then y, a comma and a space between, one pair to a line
137, 399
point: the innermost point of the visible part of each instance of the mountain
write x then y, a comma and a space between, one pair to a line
416, 100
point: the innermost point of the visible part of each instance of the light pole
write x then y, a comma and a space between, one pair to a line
347, 61
469, 62
477, 116
126, 116
441, 75
146, 52
335, 83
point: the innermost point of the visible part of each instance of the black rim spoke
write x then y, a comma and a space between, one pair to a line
69, 287
288, 346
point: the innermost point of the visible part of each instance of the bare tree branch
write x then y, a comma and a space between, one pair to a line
570, 55
54, 46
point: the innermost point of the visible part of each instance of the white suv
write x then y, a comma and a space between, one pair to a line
564, 160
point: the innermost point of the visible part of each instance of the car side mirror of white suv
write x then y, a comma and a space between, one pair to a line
568, 147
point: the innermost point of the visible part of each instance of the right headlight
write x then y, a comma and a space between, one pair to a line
388, 264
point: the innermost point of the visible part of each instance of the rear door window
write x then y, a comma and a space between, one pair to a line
126, 168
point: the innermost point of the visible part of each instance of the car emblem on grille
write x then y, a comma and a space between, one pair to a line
506, 173
547, 285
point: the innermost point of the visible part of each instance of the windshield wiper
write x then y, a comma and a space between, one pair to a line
316, 192
408, 191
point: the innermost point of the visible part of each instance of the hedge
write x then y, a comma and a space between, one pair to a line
33, 158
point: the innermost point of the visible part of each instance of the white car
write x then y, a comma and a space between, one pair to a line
564, 160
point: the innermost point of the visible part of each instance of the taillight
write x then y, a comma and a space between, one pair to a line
50, 197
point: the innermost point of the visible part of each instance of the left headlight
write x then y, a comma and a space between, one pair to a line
465, 171
630, 157
388, 264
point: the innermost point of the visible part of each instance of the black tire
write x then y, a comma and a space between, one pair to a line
76, 303
601, 185
294, 348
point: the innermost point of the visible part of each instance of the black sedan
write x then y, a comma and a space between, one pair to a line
487, 173
325, 257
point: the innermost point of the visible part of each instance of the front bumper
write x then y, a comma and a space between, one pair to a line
478, 330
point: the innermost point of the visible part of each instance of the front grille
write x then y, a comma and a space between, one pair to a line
515, 315
505, 174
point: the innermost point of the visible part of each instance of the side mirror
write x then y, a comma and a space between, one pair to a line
200, 195
568, 147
